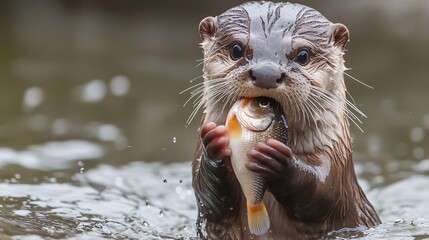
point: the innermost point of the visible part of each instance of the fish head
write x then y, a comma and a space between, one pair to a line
256, 114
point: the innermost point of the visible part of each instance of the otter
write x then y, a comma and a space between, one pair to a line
294, 55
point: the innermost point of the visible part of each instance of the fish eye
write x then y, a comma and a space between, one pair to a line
303, 56
264, 103
236, 51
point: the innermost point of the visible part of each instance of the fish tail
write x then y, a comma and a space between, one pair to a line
258, 219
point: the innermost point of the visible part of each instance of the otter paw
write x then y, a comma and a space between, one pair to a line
215, 141
270, 159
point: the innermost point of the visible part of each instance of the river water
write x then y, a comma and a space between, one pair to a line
93, 136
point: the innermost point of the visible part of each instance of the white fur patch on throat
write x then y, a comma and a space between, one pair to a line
320, 172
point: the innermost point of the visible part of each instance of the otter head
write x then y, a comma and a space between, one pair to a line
284, 51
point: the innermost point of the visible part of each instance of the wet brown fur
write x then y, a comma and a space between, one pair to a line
322, 193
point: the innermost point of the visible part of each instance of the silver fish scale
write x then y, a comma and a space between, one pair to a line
278, 131
258, 186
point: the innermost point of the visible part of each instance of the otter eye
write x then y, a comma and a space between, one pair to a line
303, 57
264, 103
236, 52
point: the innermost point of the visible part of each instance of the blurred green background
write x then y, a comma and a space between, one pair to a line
111, 72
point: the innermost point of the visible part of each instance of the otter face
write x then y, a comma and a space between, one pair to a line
285, 51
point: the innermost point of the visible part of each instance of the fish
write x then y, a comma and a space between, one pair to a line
253, 120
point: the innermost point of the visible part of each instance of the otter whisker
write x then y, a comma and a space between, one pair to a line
351, 97
192, 87
305, 113
291, 99
193, 79
327, 95
332, 101
334, 104
194, 112
357, 80
343, 72
196, 98
311, 111
294, 109
218, 93
198, 89
217, 89
288, 98
314, 111
318, 105
355, 108
200, 62
216, 86
228, 101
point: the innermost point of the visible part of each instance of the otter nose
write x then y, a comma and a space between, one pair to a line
265, 75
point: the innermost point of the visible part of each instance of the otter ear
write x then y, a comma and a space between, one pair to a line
208, 28
339, 35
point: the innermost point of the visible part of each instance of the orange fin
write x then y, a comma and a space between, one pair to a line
234, 128
258, 219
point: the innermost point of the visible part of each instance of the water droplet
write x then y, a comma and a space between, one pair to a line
80, 164
161, 213
399, 220
128, 219
231, 208
163, 149
174, 139
165, 180
146, 224
82, 170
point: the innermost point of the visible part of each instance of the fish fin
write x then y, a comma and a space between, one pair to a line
258, 219
233, 127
